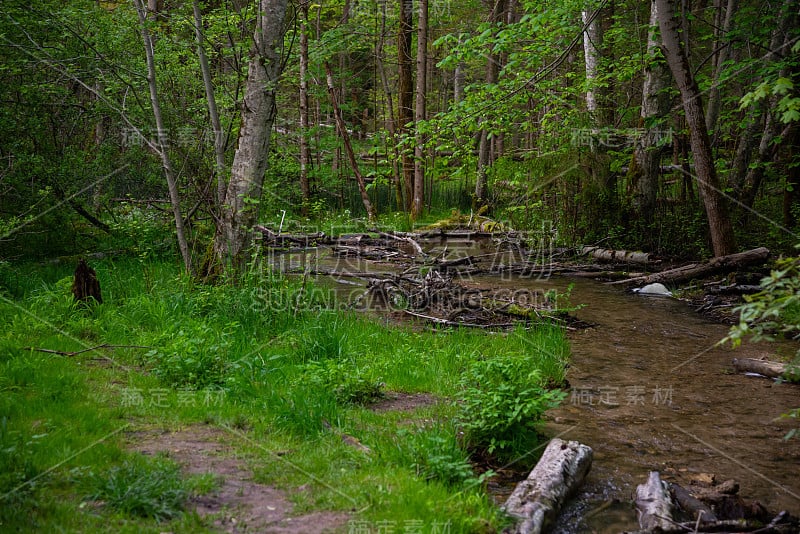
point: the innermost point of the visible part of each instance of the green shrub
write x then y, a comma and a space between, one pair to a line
502, 404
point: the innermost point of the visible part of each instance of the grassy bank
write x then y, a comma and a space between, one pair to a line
290, 382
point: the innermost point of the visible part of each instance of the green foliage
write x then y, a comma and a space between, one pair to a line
438, 456
347, 383
141, 487
196, 356
775, 309
503, 400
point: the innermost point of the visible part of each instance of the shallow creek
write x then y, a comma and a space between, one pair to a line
651, 391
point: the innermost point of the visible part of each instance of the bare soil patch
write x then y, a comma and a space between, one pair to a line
399, 401
238, 504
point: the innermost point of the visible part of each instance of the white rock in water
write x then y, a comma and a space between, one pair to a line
654, 289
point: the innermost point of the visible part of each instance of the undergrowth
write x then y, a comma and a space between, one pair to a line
262, 357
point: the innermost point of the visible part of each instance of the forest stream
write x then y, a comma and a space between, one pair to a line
650, 390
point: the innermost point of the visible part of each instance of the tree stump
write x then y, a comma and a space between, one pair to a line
85, 285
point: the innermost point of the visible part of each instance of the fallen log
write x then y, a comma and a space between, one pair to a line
654, 504
405, 239
696, 508
537, 500
766, 368
448, 322
621, 256
720, 264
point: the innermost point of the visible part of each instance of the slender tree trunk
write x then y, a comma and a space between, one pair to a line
458, 82
172, 185
485, 142
419, 112
305, 152
646, 167
240, 210
337, 113
219, 135
780, 42
723, 43
391, 121
792, 190
745, 145
722, 238
591, 44
405, 93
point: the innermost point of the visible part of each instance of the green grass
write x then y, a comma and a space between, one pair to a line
244, 358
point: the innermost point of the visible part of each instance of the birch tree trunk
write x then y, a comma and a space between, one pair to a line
591, 42
656, 103
161, 142
419, 112
721, 230
240, 209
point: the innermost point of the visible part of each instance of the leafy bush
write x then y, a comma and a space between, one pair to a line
775, 309
502, 403
141, 487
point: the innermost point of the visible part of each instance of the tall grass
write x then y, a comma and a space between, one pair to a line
294, 377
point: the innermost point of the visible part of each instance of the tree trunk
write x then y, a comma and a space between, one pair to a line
419, 112
219, 135
656, 102
405, 94
723, 44
305, 152
485, 143
537, 500
162, 140
337, 113
591, 43
240, 210
721, 229
719, 264
391, 120
746, 177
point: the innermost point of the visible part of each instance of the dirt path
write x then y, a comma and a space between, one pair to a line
237, 504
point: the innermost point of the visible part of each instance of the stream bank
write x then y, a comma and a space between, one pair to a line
650, 390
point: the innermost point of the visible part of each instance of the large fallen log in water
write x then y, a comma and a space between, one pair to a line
654, 504
720, 264
537, 500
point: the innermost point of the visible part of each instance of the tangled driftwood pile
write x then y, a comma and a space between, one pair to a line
437, 298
